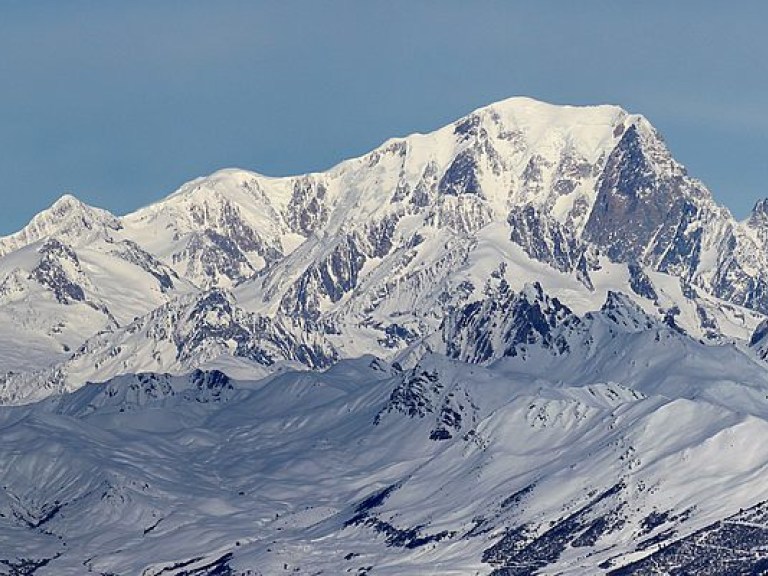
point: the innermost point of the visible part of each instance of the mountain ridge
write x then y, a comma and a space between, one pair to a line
354, 251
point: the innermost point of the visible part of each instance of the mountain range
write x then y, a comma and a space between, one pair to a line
528, 342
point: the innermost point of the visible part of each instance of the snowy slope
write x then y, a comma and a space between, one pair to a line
447, 466
58, 295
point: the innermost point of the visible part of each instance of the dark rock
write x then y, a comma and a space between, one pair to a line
640, 282
543, 238
461, 176
50, 272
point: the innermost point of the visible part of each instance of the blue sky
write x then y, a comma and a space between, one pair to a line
121, 102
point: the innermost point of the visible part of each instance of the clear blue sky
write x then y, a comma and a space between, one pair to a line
120, 102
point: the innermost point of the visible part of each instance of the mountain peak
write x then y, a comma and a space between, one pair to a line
67, 207
67, 202
539, 117
67, 218
224, 177
460, 258
622, 311
529, 104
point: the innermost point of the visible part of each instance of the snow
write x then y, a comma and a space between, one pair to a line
273, 474
303, 448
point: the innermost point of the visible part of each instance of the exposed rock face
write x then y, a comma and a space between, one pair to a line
505, 323
58, 270
307, 211
543, 238
461, 176
640, 283
332, 277
731, 546
645, 207
758, 220
213, 259
759, 340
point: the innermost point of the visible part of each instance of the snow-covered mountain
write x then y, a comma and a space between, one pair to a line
526, 342
376, 251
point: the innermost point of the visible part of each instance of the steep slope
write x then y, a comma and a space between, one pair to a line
574, 188
445, 186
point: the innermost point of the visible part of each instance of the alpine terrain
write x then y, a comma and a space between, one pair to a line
526, 343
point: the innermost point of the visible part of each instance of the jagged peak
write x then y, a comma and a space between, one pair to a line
622, 310
761, 206
641, 137
67, 202
67, 205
